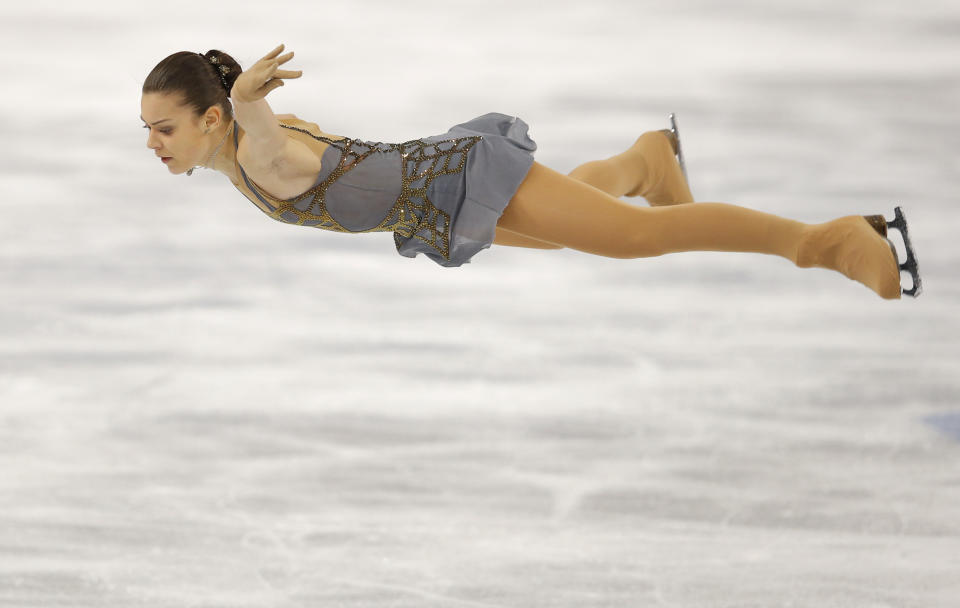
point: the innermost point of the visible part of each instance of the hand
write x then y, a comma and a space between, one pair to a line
262, 77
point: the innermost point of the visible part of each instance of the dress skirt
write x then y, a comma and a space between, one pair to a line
477, 196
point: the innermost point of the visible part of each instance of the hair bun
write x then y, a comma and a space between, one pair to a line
222, 70
202, 83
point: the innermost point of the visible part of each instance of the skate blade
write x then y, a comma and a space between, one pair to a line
910, 265
676, 132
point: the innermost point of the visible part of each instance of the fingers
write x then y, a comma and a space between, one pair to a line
267, 71
276, 79
277, 61
273, 53
273, 72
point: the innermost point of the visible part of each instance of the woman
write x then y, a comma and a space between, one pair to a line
449, 196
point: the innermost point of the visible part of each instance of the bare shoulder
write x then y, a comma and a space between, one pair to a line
294, 159
291, 172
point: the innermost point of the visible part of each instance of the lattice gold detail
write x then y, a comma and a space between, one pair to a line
412, 215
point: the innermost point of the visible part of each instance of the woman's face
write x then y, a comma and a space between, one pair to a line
173, 132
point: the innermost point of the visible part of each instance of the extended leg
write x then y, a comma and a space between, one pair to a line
556, 208
648, 168
553, 207
639, 169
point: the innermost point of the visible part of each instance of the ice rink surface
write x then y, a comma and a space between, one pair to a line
202, 407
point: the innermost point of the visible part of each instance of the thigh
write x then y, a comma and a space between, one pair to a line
557, 208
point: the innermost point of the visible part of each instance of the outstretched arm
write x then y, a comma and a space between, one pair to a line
251, 109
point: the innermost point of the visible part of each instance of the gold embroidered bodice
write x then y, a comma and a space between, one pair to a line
416, 165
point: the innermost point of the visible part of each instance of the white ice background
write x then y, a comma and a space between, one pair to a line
200, 406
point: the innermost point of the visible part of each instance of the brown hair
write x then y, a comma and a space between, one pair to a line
197, 79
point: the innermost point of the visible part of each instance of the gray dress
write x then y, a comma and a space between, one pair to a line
440, 195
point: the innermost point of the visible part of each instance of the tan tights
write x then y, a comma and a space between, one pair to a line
583, 211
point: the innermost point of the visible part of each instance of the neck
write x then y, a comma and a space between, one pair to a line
224, 159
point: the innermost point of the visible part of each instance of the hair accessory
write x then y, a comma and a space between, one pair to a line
221, 70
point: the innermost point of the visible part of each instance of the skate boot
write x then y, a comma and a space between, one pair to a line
665, 179
857, 246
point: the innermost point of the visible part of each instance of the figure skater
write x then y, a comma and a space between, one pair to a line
449, 196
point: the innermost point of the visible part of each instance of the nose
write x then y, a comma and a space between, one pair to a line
152, 140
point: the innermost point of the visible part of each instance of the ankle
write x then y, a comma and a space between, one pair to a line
820, 244
850, 245
642, 160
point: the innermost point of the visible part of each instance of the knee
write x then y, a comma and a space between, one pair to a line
646, 243
631, 247
642, 240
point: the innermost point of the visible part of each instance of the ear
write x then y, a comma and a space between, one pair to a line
213, 118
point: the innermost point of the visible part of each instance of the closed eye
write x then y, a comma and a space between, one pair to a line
165, 132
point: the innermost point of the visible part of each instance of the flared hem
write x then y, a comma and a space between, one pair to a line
495, 167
